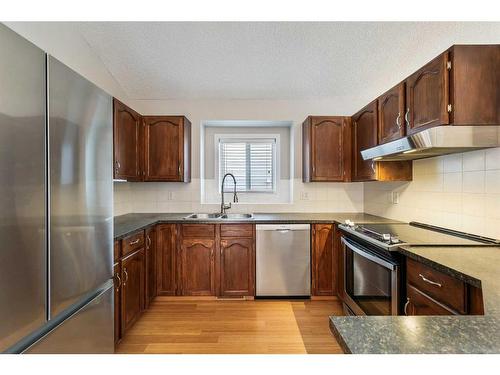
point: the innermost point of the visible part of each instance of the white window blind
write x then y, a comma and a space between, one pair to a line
251, 161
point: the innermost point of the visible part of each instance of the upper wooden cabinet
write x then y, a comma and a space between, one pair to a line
127, 143
150, 148
391, 110
459, 87
364, 135
427, 92
167, 141
324, 152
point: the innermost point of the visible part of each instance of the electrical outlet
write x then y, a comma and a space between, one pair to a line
395, 197
304, 195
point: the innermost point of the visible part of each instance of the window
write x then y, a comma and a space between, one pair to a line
252, 161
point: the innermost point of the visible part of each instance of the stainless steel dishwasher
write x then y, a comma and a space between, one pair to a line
283, 260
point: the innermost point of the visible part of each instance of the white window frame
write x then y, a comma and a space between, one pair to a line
246, 138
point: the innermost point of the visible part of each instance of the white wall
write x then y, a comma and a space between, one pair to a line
63, 41
172, 197
460, 191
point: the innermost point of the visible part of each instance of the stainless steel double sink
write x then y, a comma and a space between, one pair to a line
218, 216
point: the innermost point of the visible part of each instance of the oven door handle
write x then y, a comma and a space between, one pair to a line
368, 255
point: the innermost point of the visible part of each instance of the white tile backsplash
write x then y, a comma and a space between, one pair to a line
459, 191
180, 197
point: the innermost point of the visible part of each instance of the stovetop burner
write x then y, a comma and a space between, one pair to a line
391, 236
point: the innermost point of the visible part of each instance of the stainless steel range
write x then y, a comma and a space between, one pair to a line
372, 267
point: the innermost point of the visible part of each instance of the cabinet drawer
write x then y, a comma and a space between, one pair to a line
198, 230
116, 251
420, 304
443, 288
236, 230
132, 242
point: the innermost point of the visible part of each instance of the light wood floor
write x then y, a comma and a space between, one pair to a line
259, 327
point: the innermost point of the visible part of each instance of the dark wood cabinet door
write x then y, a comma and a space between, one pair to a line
427, 95
132, 288
166, 259
237, 267
150, 289
364, 135
418, 303
117, 302
327, 152
127, 143
164, 148
198, 267
324, 261
391, 111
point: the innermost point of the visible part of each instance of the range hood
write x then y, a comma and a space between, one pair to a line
440, 140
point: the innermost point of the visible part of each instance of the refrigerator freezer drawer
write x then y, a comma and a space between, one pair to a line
88, 331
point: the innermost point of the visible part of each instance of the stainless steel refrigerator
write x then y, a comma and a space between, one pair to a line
56, 192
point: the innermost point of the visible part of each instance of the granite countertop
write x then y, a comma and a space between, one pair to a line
417, 334
478, 266
129, 223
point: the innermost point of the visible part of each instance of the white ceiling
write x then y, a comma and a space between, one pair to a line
270, 60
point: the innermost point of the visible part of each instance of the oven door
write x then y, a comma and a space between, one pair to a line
371, 280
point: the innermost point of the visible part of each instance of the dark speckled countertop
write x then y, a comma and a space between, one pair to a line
417, 334
478, 266
129, 223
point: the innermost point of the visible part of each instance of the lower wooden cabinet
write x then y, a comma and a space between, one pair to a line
324, 260
197, 257
150, 266
237, 267
166, 260
418, 303
432, 292
117, 281
132, 297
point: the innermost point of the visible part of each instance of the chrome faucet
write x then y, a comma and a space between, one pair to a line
224, 207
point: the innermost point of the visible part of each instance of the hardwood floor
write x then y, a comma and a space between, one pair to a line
242, 327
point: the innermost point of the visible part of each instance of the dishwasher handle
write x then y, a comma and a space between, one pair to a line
282, 228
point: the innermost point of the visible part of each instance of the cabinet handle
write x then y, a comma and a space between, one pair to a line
373, 167
406, 116
179, 169
406, 305
119, 281
148, 239
117, 166
429, 281
135, 242
398, 120
126, 277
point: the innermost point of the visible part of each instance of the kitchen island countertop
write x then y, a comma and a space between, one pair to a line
478, 266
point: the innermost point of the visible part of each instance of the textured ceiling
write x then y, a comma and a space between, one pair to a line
270, 60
